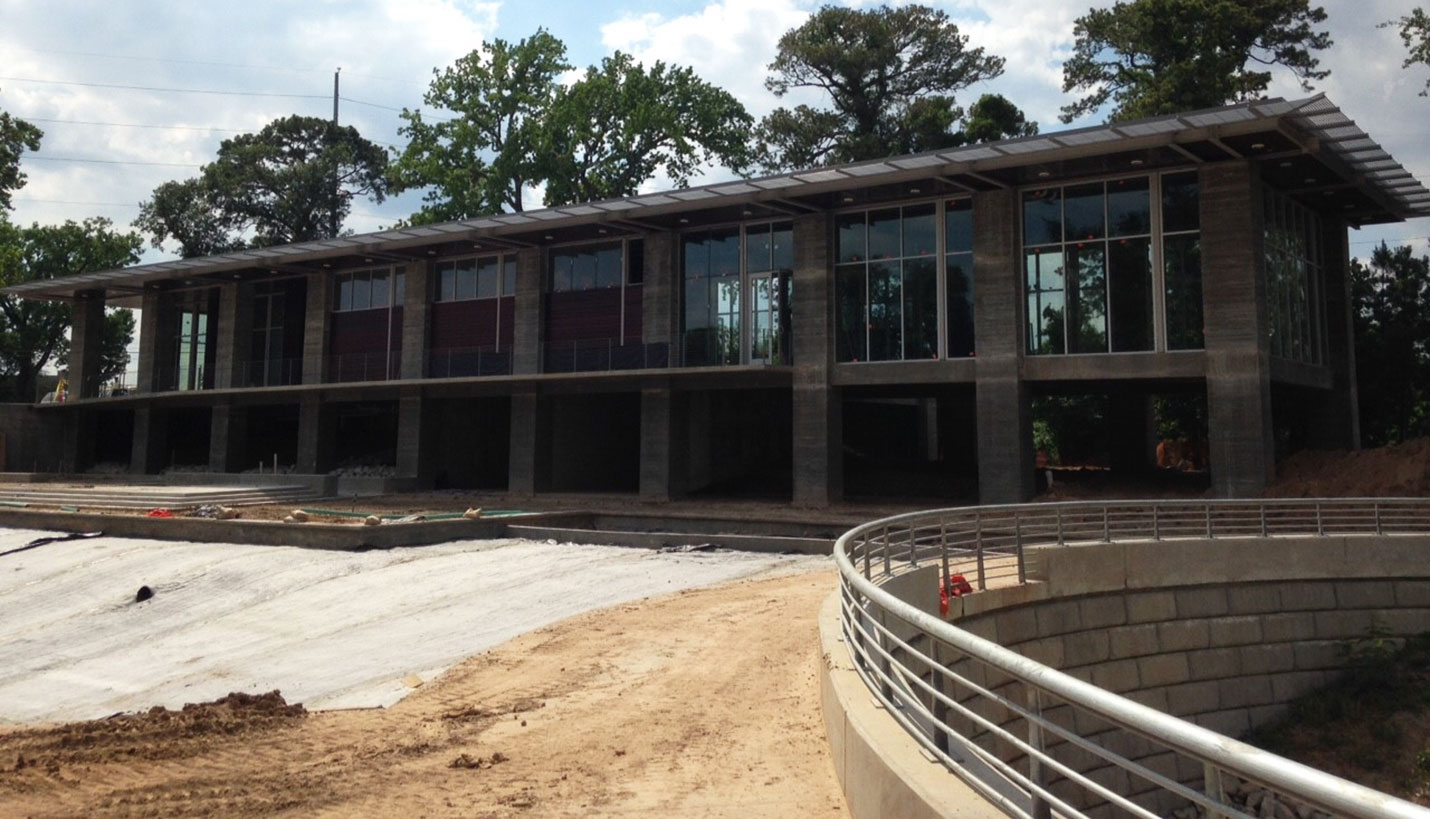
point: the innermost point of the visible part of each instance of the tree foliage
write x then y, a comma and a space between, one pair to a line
621, 124
1151, 57
1415, 32
889, 74
16, 137
292, 181
1391, 304
995, 117
33, 333
481, 161
518, 128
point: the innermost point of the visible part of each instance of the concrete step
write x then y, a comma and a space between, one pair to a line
111, 499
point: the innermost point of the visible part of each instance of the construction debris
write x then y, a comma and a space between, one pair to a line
143, 594
214, 511
472, 514
300, 516
372, 520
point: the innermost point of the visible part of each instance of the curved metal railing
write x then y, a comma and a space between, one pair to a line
992, 715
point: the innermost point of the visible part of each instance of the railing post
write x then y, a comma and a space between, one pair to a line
913, 549
943, 559
1156, 524
1018, 547
1212, 787
868, 575
1060, 527
1320, 526
885, 550
1106, 531
1036, 774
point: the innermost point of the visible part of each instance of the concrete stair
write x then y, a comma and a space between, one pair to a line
150, 497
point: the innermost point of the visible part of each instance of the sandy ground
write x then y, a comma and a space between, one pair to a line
701, 703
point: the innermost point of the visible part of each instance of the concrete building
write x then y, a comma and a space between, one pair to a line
757, 336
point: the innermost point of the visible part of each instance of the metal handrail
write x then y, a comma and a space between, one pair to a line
908, 667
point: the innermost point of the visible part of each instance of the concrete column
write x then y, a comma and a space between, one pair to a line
315, 437
228, 433
662, 447
77, 441
151, 308
150, 452
1335, 424
315, 327
235, 326
416, 328
523, 459
86, 336
410, 426
1243, 459
530, 329
661, 294
818, 410
1004, 405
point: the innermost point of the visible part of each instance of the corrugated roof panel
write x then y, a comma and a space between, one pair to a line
544, 215
830, 175
914, 162
1028, 146
694, 194
580, 210
1272, 108
513, 219
1086, 137
1151, 128
776, 182
738, 187
871, 169
654, 199
617, 205
1222, 117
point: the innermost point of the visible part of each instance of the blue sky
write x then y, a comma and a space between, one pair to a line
388, 48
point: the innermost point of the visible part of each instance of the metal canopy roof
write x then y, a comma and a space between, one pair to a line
1324, 129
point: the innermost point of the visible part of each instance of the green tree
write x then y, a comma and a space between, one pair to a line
33, 332
995, 117
889, 75
292, 181
1391, 308
1415, 32
621, 124
1151, 57
481, 161
16, 137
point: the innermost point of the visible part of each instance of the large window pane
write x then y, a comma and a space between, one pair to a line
697, 258
727, 318
1180, 202
920, 308
782, 247
757, 248
1129, 288
852, 244
508, 278
958, 226
699, 345
399, 288
583, 271
958, 268
487, 279
345, 293
920, 231
380, 290
1087, 298
884, 230
466, 280
1042, 217
1083, 213
852, 327
725, 253
885, 312
608, 267
1045, 300
1182, 256
635, 261
561, 265
1129, 207
362, 292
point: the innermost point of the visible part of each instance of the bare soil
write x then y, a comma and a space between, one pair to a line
1399, 470
703, 703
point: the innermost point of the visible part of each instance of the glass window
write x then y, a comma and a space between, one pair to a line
381, 294
447, 282
487, 273
583, 271
852, 235
1042, 217
958, 268
608, 267
851, 342
1129, 207
725, 253
1087, 297
1180, 202
399, 288
1083, 213
1129, 287
886, 313
635, 261
508, 278
344, 299
920, 233
362, 292
757, 248
782, 246
1045, 300
697, 257
466, 279
1182, 263
921, 308
958, 226
884, 234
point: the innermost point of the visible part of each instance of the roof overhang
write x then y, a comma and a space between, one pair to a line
1308, 148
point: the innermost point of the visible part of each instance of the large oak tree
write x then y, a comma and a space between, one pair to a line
16, 137
1151, 57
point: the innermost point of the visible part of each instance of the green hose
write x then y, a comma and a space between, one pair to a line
486, 513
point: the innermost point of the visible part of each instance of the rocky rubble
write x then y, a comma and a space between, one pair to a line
1256, 801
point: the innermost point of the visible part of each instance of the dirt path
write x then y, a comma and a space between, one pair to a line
704, 703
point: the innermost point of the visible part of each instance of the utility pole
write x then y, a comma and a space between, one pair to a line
337, 191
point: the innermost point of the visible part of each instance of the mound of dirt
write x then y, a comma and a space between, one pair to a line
1399, 470
154, 734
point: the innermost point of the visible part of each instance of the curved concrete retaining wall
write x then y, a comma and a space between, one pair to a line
1222, 633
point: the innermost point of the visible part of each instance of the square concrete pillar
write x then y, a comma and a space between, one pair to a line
661, 294
77, 441
228, 435
1335, 422
235, 326
86, 336
416, 324
318, 310
410, 437
524, 456
818, 412
1243, 459
315, 436
663, 449
150, 452
1002, 399
529, 317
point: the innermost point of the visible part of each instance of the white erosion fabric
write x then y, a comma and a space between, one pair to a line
330, 629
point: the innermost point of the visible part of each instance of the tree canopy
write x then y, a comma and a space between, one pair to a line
292, 181
1391, 310
1415, 32
889, 74
33, 332
518, 128
1151, 57
16, 137
480, 161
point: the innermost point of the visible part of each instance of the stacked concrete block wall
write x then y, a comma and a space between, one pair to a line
1191, 640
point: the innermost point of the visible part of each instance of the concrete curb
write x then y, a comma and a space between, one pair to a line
881, 770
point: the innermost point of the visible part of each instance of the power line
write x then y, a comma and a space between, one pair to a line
171, 90
132, 125
109, 161
182, 61
69, 202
